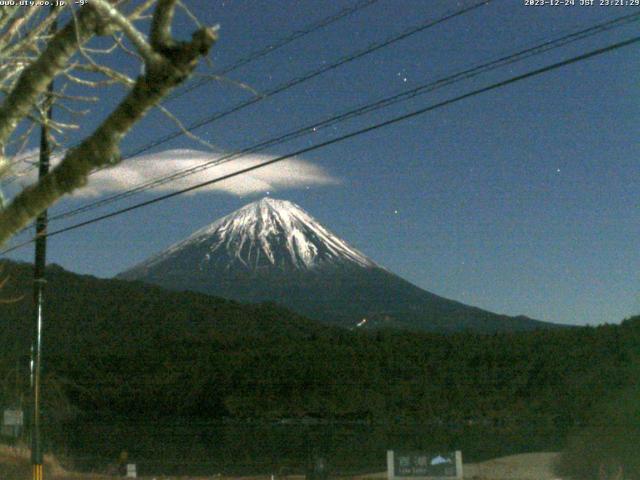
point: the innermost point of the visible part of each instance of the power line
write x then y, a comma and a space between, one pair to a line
367, 108
425, 25
272, 48
304, 78
342, 138
373, 47
312, 28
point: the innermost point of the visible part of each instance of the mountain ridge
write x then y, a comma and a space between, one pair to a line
272, 250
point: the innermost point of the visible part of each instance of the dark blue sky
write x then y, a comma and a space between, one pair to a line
523, 200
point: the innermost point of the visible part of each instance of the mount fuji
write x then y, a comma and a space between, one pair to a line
272, 250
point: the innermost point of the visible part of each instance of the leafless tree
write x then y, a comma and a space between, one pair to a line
32, 55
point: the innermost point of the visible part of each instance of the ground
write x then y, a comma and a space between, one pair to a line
14, 465
528, 466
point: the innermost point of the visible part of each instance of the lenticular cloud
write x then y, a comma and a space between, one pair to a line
287, 174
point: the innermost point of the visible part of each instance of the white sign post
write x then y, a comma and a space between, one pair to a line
13, 418
12, 422
131, 470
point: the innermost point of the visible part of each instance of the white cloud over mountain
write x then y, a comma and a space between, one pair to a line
287, 174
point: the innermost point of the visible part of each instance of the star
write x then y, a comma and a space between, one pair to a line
402, 75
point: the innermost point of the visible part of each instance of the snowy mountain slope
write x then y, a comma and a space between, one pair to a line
265, 234
272, 250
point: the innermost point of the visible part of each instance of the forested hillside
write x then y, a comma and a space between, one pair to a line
115, 349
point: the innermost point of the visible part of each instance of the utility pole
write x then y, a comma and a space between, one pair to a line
38, 290
38, 298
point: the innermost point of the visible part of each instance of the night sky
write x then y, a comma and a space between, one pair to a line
523, 200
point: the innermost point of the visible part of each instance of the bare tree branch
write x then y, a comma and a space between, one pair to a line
140, 11
34, 33
171, 63
107, 72
36, 77
185, 131
136, 37
161, 25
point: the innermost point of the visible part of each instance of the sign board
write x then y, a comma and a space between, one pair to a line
131, 470
424, 465
13, 418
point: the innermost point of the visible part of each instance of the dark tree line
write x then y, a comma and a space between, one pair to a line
125, 350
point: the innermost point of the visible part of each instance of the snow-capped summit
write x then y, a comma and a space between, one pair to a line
272, 250
268, 233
